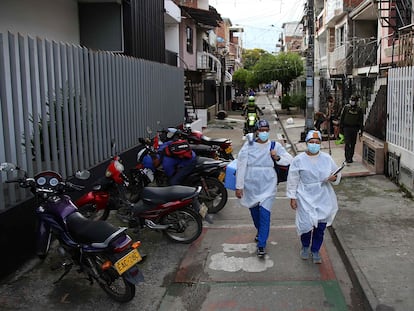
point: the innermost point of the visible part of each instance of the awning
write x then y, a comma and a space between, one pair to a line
203, 17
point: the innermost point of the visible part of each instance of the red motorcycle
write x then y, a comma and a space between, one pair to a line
223, 145
174, 210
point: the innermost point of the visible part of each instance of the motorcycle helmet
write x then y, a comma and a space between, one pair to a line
251, 100
262, 123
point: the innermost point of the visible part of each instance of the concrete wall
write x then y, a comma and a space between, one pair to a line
52, 19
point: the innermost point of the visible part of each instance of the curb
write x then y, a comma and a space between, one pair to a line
357, 277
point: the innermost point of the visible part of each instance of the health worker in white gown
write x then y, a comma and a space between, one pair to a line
256, 179
309, 187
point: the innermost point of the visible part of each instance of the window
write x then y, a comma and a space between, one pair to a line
340, 36
189, 34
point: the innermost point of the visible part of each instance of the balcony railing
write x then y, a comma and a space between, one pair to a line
208, 62
338, 59
406, 49
365, 55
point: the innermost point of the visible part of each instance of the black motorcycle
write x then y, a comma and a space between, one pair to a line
207, 173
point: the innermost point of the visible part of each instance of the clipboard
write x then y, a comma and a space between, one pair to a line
339, 169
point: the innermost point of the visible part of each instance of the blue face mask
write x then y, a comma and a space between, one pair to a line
263, 136
314, 148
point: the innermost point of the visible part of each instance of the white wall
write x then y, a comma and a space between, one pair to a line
51, 19
172, 38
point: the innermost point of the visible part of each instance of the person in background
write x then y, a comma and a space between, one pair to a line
309, 187
351, 122
332, 117
328, 121
251, 107
256, 180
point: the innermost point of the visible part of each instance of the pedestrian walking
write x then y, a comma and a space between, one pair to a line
309, 187
256, 180
351, 122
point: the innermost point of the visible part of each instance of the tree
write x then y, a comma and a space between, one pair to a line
265, 69
289, 67
240, 77
284, 67
251, 57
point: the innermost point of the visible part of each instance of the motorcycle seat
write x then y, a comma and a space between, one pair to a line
213, 141
160, 195
97, 233
204, 163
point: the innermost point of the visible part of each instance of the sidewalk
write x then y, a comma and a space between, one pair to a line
373, 229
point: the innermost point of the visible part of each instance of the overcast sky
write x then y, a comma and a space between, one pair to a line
261, 19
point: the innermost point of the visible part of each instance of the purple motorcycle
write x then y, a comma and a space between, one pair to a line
104, 253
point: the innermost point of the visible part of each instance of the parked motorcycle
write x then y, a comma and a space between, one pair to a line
104, 253
223, 145
173, 210
107, 194
208, 173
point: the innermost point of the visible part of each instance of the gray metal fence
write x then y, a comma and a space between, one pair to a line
61, 105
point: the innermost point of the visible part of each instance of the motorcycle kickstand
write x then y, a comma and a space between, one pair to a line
205, 187
67, 267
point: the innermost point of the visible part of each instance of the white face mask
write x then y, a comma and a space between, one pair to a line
352, 102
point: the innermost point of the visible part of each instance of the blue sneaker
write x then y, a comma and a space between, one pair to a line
316, 258
304, 253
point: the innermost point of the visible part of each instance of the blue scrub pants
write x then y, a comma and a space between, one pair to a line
261, 220
316, 235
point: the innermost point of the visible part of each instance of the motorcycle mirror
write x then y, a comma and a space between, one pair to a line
8, 167
149, 131
83, 175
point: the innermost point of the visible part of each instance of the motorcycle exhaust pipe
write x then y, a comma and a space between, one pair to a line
150, 224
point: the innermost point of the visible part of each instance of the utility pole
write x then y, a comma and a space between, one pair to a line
223, 83
310, 78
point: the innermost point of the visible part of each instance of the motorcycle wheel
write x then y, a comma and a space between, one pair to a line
185, 225
90, 211
119, 290
215, 196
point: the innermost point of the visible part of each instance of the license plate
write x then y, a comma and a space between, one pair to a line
229, 149
221, 176
127, 261
203, 210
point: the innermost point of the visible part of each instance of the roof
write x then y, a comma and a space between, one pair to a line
204, 17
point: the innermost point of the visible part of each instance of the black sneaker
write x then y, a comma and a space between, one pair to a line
260, 252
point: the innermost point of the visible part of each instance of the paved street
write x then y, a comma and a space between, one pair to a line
220, 271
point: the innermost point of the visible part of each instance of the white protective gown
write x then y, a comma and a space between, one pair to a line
256, 174
307, 183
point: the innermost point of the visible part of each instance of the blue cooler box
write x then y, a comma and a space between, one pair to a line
230, 180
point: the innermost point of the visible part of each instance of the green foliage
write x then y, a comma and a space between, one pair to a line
298, 100
286, 101
265, 69
290, 67
251, 57
284, 67
240, 76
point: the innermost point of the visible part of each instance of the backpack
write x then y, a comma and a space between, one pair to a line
179, 148
282, 171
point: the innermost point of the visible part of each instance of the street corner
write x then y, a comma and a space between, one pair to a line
229, 255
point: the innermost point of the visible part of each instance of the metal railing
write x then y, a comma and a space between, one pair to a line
61, 105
